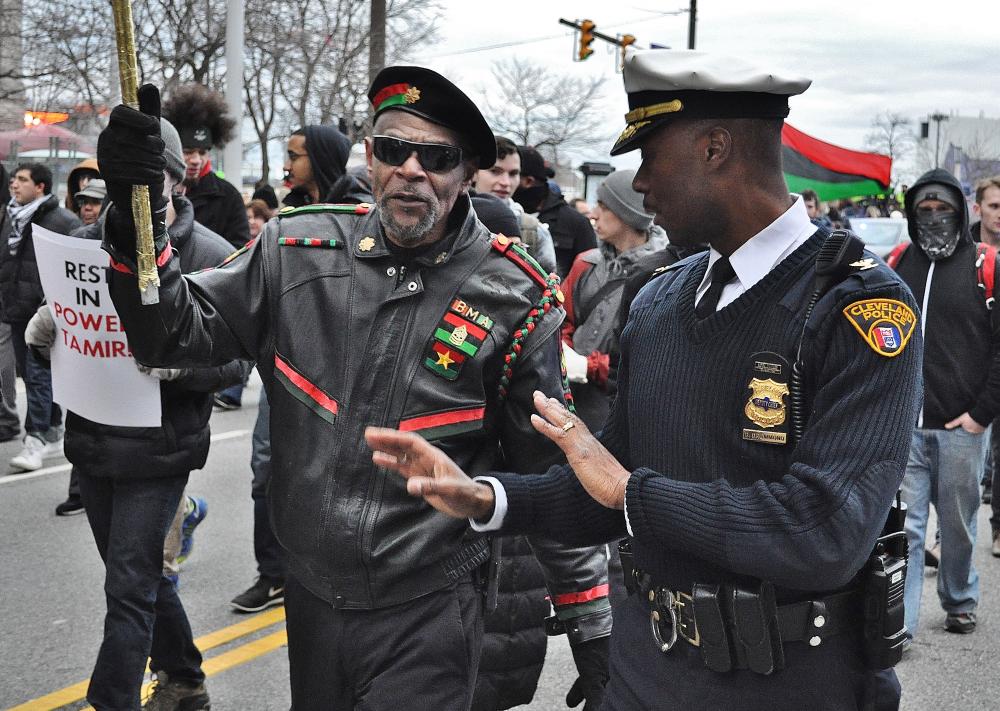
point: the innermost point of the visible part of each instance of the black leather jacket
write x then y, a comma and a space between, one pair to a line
342, 341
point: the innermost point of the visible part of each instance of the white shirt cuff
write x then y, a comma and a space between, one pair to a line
628, 524
499, 506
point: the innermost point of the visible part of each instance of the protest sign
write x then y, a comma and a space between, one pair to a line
93, 371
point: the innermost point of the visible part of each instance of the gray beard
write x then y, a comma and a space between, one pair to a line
406, 235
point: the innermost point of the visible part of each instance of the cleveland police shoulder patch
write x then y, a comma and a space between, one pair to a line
885, 324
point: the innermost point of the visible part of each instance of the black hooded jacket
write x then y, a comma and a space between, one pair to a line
961, 337
328, 151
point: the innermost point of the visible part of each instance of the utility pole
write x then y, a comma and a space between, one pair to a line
232, 156
937, 119
692, 22
376, 40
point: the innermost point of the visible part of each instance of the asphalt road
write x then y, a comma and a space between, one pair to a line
52, 602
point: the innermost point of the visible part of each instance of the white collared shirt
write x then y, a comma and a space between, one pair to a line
761, 253
752, 262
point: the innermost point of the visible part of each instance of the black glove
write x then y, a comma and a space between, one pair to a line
591, 659
130, 152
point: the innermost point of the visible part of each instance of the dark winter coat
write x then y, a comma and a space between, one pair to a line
961, 340
219, 207
572, 233
20, 286
181, 444
515, 640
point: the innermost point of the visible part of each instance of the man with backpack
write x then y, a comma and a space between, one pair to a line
952, 278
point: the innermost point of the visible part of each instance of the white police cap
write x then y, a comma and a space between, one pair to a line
664, 84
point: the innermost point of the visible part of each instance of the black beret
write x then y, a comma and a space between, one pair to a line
427, 94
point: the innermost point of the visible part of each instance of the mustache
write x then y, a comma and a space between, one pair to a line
410, 194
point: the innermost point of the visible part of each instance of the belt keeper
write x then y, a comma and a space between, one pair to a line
711, 628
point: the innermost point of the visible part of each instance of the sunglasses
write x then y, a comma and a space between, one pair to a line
435, 157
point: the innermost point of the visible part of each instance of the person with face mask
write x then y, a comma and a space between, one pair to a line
961, 396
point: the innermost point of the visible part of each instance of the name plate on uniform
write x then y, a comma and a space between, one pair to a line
765, 412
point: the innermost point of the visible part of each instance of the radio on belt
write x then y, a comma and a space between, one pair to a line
884, 580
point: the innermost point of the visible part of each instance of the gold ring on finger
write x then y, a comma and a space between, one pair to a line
568, 425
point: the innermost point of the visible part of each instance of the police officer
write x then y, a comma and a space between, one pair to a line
748, 533
407, 314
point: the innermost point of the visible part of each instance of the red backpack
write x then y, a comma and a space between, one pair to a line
986, 262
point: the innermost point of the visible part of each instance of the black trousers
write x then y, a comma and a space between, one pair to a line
423, 654
830, 677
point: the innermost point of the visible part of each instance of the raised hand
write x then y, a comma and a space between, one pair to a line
430, 473
599, 472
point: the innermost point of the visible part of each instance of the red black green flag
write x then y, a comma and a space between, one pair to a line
833, 172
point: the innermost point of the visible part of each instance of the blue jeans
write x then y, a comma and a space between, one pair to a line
944, 469
145, 618
44, 417
267, 550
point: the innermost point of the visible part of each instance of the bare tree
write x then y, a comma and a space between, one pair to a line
536, 106
891, 135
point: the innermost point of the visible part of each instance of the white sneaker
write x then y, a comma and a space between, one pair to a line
53, 449
30, 458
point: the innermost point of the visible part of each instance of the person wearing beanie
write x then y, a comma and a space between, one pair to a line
571, 232
961, 394
593, 291
202, 122
131, 482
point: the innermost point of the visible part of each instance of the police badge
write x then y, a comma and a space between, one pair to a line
765, 414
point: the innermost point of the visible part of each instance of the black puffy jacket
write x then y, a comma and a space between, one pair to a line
181, 444
20, 286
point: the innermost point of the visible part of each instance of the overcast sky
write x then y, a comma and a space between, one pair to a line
913, 57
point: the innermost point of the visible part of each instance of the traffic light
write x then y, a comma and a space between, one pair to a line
625, 41
586, 39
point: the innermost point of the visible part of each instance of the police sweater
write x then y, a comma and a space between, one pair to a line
710, 498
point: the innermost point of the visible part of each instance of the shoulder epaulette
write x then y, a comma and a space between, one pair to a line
519, 255
362, 208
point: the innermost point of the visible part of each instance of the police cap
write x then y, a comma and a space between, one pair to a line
671, 84
427, 94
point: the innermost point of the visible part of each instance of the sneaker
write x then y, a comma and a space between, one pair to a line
960, 622
30, 457
174, 578
996, 545
197, 510
932, 556
224, 402
266, 592
70, 507
167, 695
53, 449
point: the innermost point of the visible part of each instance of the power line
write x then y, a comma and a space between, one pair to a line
533, 40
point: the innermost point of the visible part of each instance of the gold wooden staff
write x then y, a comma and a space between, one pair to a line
149, 278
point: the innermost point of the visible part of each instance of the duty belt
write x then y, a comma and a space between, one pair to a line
739, 626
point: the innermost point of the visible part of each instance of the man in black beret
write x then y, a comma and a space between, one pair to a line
409, 313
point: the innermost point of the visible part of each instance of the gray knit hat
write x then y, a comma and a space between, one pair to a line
936, 191
616, 194
172, 150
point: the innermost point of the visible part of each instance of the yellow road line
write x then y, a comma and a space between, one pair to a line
234, 657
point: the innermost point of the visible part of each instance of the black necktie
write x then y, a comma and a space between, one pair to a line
722, 274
